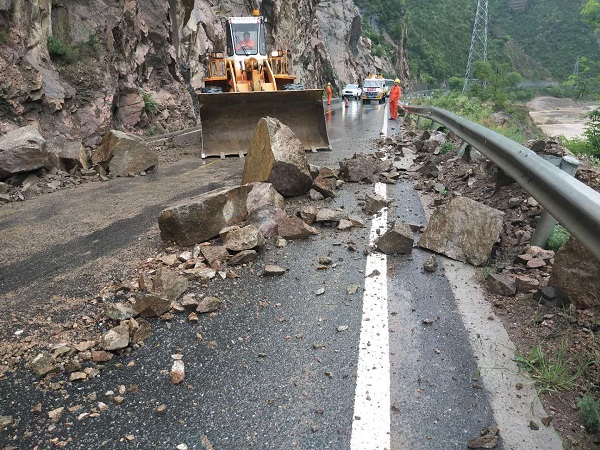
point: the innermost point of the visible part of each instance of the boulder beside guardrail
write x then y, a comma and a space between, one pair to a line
573, 204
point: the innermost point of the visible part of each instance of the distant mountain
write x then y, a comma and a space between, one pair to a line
541, 39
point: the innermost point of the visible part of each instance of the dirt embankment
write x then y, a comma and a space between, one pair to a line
560, 116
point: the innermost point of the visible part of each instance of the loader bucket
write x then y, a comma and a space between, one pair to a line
229, 119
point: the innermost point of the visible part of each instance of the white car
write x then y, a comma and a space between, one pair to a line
352, 90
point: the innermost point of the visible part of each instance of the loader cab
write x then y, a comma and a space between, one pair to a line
246, 38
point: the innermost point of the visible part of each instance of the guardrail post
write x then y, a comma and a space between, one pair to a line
418, 122
465, 151
546, 224
433, 125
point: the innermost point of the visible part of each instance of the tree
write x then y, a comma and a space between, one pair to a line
591, 14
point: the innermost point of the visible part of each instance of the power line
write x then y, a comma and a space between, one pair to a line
478, 50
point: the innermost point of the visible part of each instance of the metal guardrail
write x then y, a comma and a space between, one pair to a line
573, 204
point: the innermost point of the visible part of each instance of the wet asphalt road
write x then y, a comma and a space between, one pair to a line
271, 370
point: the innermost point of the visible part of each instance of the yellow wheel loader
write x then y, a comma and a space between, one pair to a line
245, 83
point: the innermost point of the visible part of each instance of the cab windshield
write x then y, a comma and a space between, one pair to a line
372, 84
245, 38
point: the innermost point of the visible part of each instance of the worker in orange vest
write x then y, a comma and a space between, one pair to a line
395, 95
329, 93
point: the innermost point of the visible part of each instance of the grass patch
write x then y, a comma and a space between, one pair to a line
61, 51
558, 238
447, 147
589, 409
550, 374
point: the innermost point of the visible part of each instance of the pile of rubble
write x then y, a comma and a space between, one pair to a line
31, 165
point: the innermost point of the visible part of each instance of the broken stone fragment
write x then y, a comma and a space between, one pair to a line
487, 440
118, 311
295, 228
501, 284
101, 356
345, 224
209, 304
189, 303
357, 222
43, 364
308, 214
143, 331
55, 414
169, 284
315, 195
116, 338
84, 346
273, 270
151, 305
177, 374
202, 275
216, 255
326, 186
280, 242
523, 283
374, 203
276, 155
6, 421
329, 215
464, 230
399, 239
246, 238
243, 257
77, 376
431, 264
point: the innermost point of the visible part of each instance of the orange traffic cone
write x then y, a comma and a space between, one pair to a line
346, 104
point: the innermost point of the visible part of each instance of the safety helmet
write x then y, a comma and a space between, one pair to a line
328, 84
397, 80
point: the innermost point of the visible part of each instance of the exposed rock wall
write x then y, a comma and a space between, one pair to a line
82, 67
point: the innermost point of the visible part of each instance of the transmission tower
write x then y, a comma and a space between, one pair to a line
576, 68
478, 50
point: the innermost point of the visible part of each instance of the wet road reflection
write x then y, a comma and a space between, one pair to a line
351, 129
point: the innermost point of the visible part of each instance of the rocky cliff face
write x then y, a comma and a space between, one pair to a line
80, 67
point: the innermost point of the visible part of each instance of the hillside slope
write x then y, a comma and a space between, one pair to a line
540, 38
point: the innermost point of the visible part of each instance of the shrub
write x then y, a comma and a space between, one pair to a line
589, 409
558, 238
150, 104
61, 51
592, 131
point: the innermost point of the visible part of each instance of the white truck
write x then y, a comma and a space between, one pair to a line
374, 89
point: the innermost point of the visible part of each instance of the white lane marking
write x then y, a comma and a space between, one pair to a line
371, 423
384, 127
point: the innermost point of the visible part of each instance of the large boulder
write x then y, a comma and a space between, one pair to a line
576, 274
464, 230
22, 150
277, 156
67, 153
123, 153
201, 218
246, 238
